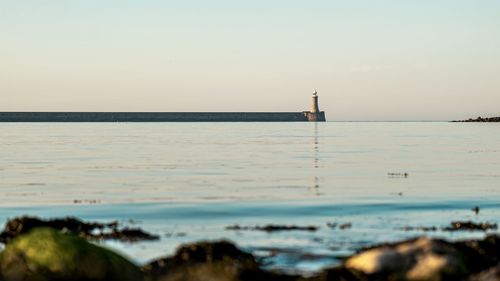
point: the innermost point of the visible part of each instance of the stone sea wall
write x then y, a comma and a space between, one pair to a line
157, 116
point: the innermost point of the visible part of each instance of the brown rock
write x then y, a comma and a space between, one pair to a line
491, 274
420, 259
217, 261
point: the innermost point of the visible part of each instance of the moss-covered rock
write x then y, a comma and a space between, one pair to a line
45, 254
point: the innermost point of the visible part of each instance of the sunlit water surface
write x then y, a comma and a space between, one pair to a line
189, 181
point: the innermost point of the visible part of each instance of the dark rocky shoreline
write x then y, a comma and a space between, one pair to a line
481, 119
87, 230
45, 250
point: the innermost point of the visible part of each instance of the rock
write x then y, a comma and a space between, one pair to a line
420, 259
89, 230
273, 228
418, 228
427, 259
491, 274
217, 261
456, 226
345, 225
470, 226
481, 254
339, 274
45, 254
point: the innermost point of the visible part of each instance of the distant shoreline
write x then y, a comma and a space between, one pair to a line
480, 119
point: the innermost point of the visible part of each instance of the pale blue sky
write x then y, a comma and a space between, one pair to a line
369, 60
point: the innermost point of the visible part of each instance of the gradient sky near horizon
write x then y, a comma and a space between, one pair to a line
369, 60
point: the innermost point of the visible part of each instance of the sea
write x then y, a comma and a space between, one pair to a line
359, 183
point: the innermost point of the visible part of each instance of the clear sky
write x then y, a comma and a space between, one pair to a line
369, 60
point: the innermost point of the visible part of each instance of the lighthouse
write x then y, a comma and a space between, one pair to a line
314, 107
315, 115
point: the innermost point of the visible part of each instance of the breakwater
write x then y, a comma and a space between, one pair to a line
161, 116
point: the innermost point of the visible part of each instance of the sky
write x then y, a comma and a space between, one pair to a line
368, 59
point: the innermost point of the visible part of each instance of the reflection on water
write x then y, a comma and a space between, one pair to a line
316, 159
198, 178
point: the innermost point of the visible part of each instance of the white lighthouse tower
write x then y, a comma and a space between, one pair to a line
315, 107
315, 115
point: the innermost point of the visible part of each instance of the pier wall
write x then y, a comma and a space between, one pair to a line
315, 116
158, 116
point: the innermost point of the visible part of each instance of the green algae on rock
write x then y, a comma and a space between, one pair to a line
45, 254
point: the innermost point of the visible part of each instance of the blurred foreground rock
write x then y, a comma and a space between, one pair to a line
427, 259
45, 254
210, 261
491, 274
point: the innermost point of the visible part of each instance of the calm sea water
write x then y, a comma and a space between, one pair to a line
189, 181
